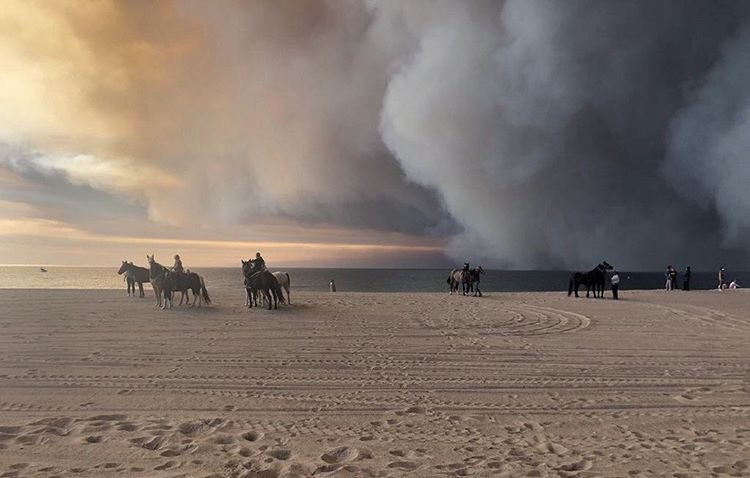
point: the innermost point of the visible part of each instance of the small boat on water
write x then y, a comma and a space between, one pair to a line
42, 269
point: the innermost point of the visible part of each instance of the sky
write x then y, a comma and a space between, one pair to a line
524, 134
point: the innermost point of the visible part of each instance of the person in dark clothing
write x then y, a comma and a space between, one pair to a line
258, 263
686, 279
466, 267
673, 278
177, 264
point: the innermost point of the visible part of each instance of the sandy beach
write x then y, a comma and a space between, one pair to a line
93, 383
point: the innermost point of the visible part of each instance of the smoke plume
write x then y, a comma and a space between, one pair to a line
524, 133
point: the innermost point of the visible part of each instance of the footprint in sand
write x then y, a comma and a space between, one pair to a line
340, 455
252, 436
404, 465
280, 453
166, 466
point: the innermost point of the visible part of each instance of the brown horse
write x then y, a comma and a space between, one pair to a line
134, 274
262, 282
459, 276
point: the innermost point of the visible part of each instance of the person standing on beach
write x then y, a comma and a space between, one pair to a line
332, 286
615, 281
686, 279
668, 285
673, 277
722, 280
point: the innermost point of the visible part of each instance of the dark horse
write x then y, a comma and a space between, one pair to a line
474, 278
262, 282
459, 277
166, 282
595, 280
134, 274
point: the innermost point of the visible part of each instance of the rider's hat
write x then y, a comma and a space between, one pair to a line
257, 254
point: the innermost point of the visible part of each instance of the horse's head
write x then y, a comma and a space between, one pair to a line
479, 270
247, 267
150, 258
123, 267
607, 266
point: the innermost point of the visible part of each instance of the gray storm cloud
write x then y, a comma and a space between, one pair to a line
526, 133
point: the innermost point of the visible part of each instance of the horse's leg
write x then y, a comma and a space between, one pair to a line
267, 296
288, 296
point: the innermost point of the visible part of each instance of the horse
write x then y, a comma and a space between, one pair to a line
185, 281
168, 281
160, 282
594, 279
285, 282
263, 282
474, 278
133, 275
458, 276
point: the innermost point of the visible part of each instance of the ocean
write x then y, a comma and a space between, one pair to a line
351, 280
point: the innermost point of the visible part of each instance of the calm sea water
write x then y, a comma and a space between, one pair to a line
355, 280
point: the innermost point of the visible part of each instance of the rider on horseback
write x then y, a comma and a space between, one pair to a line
258, 263
177, 264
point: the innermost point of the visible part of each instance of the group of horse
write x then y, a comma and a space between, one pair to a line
165, 283
265, 284
468, 279
594, 280
258, 283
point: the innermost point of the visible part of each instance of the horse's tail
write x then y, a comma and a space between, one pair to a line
449, 279
288, 280
570, 287
204, 292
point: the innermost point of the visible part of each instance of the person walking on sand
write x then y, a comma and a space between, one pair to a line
673, 277
615, 281
722, 280
686, 279
332, 286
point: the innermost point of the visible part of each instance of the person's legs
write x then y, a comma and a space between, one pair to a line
614, 291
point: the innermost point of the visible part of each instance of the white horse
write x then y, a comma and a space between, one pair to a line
283, 279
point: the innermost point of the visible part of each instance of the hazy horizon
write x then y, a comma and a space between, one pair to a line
516, 134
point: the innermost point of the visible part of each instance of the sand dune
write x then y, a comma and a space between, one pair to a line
93, 383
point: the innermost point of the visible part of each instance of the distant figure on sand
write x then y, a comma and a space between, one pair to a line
615, 281
177, 267
669, 284
734, 284
722, 280
332, 286
686, 279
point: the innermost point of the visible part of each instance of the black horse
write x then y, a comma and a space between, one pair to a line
166, 282
262, 282
474, 278
595, 280
134, 275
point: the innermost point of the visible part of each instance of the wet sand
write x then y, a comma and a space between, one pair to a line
93, 383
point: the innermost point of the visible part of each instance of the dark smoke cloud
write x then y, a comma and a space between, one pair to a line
528, 133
